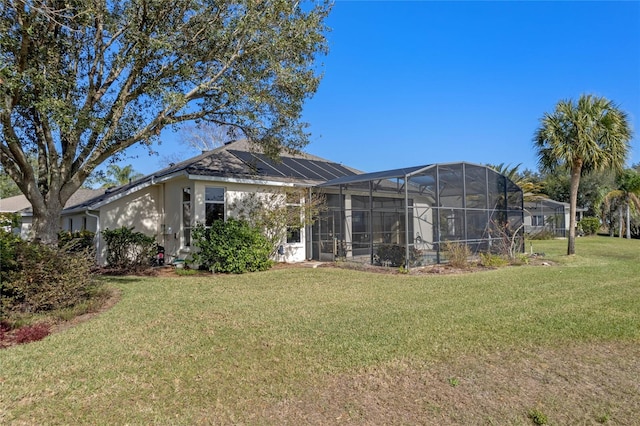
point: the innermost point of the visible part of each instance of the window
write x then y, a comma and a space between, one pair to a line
537, 220
70, 224
294, 218
84, 223
213, 204
186, 216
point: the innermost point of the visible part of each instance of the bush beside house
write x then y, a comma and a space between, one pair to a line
231, 246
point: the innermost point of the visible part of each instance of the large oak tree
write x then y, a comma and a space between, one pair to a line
83, 80
590, 134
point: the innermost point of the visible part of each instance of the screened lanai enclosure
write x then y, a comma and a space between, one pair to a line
414, 216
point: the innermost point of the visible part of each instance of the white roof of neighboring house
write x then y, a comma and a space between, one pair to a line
14, 204
549, 203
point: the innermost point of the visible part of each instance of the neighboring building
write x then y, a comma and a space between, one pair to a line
548, 216
366, 215
21, 206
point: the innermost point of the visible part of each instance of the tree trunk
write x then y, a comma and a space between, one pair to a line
48, 208
628, 219
612, 225
46, 222
573, 204
620, 222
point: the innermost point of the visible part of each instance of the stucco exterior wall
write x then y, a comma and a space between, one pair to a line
171, 235
139, 210
157, 210
235, 193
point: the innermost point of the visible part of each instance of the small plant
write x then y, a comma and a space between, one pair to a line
185, 272
457, 254
31, 333
604, 418
538, 417
490, 260
453, 381
521, 259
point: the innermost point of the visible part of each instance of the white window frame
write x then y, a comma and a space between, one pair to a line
187, 225
215, 202
290, 230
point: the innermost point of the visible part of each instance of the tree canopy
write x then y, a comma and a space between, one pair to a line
627, 195
81, 81
588, 135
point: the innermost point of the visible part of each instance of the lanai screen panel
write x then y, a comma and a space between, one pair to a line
408, 216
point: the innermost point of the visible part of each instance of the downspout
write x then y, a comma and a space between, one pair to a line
97, 236
308, 236
437, 217
406, 221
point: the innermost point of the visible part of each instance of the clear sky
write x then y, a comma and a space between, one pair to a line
418, 82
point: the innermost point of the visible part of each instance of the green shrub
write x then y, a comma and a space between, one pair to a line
46, 279
8, 267
8, 243
394, 255
231, 246
589, 225
521, 259
128, 250
76, 241
491, 260
390, 255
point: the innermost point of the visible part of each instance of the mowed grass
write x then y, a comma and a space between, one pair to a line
237, 349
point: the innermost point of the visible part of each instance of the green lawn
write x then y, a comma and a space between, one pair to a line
266, 347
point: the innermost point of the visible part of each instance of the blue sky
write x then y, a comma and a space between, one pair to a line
419, 82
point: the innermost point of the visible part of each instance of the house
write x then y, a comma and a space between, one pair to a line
546, 215
395, 217
21, 206
168, 203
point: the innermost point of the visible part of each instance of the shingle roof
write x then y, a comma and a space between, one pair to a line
14, 204
242, 161
19, 203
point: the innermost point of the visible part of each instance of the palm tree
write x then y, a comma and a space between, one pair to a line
531, 188
113, 176
122, 175
592, 134
627, 195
